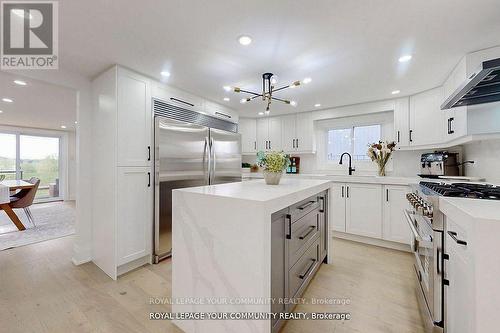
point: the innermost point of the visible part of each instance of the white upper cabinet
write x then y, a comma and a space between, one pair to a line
395, 227
455, 119
269, 134
402, 122
220, 111
247, 127
298, 133
426, 118
133, 119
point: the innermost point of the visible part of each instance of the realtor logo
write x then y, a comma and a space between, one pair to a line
29, 35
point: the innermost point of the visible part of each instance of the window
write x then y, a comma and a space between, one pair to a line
353, 140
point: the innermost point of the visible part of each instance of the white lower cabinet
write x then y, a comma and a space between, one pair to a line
370, 210
364, 210
337, 206
133, 213
395, 228
459, 292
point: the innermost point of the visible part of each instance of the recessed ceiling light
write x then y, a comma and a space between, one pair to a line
165, 74
76, 122
7, 100
227, 88
267, 112
226, 99
63, 127
20, 83
243, 100
317, 105
245, 40
395, 92
1, 111
293, 103
405, 58
307, 80
261, 113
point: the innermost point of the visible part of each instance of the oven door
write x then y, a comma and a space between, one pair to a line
424, 241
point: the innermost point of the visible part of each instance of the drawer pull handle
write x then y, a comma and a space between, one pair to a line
306, 272
222, 114
306, 205
453, 235
173, 99
322, 210
311, 229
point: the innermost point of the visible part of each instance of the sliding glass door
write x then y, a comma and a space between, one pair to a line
25, 156
39, 158
8, 148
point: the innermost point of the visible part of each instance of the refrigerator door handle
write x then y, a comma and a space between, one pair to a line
206, 156
212, 159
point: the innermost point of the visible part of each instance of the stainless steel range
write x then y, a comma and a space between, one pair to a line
426, 224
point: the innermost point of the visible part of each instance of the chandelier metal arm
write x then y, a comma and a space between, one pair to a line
248, 92
281, 100
284, 87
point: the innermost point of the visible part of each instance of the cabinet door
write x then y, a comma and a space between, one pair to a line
455, 122
220, 111
133, 120
275, 134
395, 227
402, 122
178, 97
337, 206
459, 294
288, 131
134, 213
262, 134
364, 210
248, 129
427, 118
278, 266
304, 129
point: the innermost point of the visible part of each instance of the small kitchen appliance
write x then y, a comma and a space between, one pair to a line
439, 163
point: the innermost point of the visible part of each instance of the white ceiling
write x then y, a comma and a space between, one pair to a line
36, 105
349, 48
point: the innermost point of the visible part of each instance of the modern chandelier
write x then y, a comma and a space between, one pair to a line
268, 82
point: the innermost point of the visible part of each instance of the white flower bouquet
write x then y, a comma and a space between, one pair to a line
380, 152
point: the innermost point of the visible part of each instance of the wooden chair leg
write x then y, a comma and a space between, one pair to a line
8, 210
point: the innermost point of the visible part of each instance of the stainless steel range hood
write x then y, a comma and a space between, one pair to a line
483, 86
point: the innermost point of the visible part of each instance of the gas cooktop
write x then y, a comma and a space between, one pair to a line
465, 190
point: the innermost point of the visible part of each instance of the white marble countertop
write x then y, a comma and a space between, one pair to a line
368, 179
477, 209
258, 191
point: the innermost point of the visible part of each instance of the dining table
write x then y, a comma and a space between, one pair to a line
14, 185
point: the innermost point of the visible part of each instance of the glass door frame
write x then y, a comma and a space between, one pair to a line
62, 157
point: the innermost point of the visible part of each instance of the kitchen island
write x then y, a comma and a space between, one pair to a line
239, 247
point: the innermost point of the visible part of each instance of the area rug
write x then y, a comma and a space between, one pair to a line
53, 220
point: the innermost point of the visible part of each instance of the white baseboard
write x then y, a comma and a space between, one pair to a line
122, 269
81, 255
372, 241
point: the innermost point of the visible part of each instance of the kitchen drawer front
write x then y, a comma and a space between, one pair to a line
303, 207
301, 235
300, 274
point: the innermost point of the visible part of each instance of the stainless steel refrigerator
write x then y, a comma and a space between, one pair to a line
189, 151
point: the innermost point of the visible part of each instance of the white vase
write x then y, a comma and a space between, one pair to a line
272, 178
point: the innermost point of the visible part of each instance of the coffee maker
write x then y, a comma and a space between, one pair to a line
294, 166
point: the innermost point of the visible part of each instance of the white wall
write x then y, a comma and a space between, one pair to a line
486, 155
71, 160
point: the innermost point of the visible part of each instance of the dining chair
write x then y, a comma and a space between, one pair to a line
24, 199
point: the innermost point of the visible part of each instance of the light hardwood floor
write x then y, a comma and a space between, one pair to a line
42, 291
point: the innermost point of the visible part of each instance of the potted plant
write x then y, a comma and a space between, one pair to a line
380, 152
273, 163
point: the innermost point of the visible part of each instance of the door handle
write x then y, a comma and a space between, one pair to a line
297, 143
451, 125
453, 235
347, 189
149, 179
342, 191
438, 261
399, 137
387, 194
322, 209
207, 156
149, 153
411, 132
222, 114
311, 229
212, 159
289, 234
307, 270
270, 144
180, 101
293, 143
255, 145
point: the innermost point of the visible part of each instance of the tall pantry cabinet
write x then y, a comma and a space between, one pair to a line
122, 201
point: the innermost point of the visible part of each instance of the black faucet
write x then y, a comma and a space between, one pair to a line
351, 169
